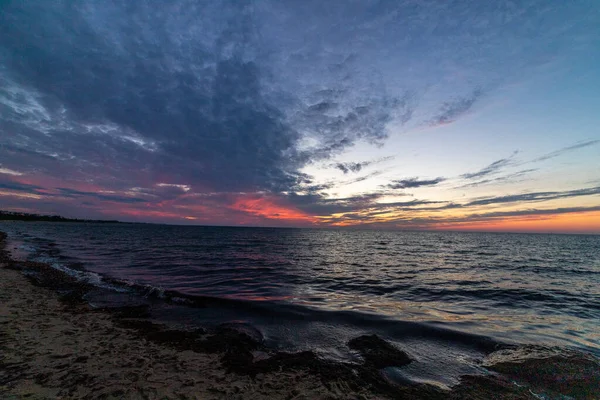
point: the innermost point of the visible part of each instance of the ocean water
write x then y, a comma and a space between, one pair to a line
445, 297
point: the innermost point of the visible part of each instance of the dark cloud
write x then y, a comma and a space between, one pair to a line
339, 130
405, 205
566, 150
320, 204
416, 221
68, 193
366, 204
491, 169
20, 152
322, 107
361, 178
317, 187
534, 197
308, 186
533, 212
366, 208
454, 109
100, 196
414, 183
351, 166
394, 212
506, 178
347, 167
20, 187
186, 91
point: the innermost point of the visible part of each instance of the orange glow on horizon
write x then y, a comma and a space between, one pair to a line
268, 208
586, 222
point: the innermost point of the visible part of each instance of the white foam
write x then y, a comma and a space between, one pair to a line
88, 277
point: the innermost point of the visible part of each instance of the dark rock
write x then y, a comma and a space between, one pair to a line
201, 331
576, 376
378, 353
226, 340
244, 329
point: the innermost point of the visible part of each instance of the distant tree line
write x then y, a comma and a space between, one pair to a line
19, 216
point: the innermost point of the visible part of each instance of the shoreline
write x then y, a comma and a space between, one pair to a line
54, 345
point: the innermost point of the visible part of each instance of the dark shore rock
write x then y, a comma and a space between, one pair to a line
378, 353
244, 329
236, 349
575, 376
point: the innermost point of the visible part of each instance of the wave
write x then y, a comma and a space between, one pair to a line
412, 288
283, 312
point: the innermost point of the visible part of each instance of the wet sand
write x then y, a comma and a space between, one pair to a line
53, 345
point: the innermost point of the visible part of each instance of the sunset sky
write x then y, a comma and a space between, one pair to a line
458, 115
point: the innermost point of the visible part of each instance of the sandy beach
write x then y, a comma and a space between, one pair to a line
53, 345
53, 350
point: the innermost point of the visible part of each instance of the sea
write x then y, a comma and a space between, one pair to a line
446, 298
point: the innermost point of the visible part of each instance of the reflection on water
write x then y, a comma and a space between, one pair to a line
537, 288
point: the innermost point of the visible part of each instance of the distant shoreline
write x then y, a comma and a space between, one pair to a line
18, 216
